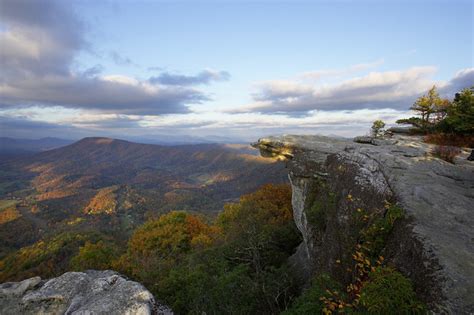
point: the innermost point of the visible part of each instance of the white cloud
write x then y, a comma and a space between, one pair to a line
38, 46
389, 89
243, 126
316, 75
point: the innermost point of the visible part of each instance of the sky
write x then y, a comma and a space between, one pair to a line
224, 70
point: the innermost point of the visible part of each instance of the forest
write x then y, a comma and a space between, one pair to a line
235, 263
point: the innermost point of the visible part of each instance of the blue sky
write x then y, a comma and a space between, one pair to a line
234, 69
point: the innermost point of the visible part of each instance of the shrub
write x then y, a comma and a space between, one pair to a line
389, 292
378, 128
375, 235
450, 139
445, 152
311, 301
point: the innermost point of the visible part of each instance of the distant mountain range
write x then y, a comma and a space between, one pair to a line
12, 146
112, 186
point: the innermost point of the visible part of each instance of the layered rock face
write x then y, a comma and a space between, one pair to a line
89, 292
433, 244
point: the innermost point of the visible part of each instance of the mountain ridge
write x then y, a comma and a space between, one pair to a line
113, 185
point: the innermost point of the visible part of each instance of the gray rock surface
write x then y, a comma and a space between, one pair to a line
374, 140
402, 130
89, 292
434, 245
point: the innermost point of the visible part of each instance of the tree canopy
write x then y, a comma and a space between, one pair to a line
236, 265
430, 108
437, 114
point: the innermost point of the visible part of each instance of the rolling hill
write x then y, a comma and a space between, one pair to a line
112, 186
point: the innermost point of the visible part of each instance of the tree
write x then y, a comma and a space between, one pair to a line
235, 266
377, 128
94, 256
442, 109
430, 108
460, 115
260, 234
259, 230
157, 246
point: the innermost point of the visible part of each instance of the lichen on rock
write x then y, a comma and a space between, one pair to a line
89, 292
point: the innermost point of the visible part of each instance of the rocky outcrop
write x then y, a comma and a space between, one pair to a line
89, 292
433, 244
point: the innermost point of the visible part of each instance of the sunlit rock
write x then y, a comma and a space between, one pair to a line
89, 292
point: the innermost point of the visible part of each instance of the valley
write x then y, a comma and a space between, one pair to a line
108, 187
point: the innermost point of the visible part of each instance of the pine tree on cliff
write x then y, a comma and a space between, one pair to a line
430, 107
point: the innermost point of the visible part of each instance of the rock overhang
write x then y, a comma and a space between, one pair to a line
437, 197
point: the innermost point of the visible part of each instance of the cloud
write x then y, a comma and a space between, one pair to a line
390, 89
118, 94
462, 79
120, 60
242, 127
40, 37
105, 121
93, 71
155, 68
252, 125
24, 127
39, 41
84, 125
9, 123
316, 75
203, 77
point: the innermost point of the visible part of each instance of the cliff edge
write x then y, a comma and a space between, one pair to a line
433, 244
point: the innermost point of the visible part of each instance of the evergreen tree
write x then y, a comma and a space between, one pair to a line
460, 115
430, 109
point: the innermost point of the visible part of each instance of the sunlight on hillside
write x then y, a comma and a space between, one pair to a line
105, 201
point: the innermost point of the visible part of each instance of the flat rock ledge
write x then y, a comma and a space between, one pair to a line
86, 293
437, 197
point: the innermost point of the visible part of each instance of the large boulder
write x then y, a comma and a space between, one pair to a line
89, 292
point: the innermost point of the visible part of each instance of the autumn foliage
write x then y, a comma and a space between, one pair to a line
233, 265
155, 247
444, 122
